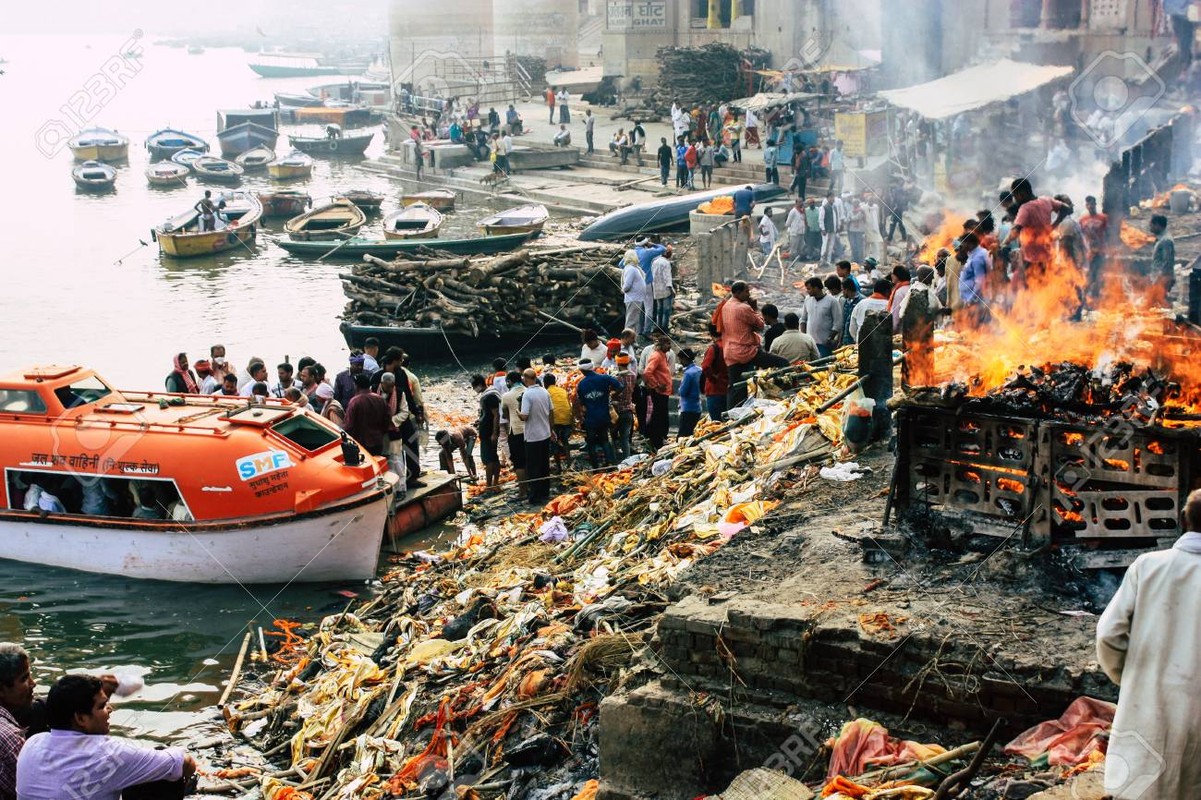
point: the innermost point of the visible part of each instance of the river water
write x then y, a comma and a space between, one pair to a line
85, 285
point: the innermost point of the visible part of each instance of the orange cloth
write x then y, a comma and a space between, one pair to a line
863, 744
1079, 732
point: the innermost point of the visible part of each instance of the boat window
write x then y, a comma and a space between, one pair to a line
20, 401
304, 431
80, 393
95, 495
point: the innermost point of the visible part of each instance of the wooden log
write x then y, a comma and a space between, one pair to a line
417, 266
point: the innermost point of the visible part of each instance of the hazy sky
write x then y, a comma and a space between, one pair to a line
83, 16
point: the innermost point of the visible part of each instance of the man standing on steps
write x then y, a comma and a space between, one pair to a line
665, 157
589, 131
564, 100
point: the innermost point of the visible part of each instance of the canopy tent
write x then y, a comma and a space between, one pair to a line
765, 100
841, 57
975, 87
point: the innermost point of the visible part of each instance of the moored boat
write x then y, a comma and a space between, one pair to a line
434, 342
417, 221
668, 214
441, 199
354, 249
167, 142
94, 176
186, 158
217, 169
294, 165
167, 174
523, 219
289, 100
181, 237
337, 220
367, 201
189, 488
99, 144
291, 65
255, 159
285, 202
246, 129
333, 146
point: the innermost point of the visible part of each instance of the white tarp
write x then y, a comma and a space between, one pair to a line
974, 88
766, 100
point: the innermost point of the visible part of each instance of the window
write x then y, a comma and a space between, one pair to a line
304, 431
80, 393
95, 495
20, 401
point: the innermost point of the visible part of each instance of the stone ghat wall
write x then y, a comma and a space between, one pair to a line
736, 673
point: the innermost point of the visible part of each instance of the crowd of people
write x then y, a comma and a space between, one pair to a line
376, 399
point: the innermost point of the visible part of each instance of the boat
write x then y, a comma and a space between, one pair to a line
433, 342
523, 219
417, 221
217, 169
291, 65
99, 144
366, 200
94, 176
186, 158
181, 237
357, 247
359, 91
189, 488
337, 220
285, 202
195, 50
294, 165
167, 174
441, 199
165, 143
245, 129
663, 215
255, 159
344, 145
290, 100
342, 115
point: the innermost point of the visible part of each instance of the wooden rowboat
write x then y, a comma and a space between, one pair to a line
186, 158
441, 199
294, 165
99, 144
94, 176
417, 221
167, 142
523, 219
181, 237
167, 174
255, 159
368, 201
285, 202
338, 220
217, 169
354, 249
331, 147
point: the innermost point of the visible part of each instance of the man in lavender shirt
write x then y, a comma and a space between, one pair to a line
77, 757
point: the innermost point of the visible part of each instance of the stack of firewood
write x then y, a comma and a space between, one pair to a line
708, 75
576, 287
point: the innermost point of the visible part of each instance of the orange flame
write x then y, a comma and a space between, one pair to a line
1133, 238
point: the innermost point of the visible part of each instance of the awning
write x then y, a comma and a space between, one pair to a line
766, 100
841, 57
975, 87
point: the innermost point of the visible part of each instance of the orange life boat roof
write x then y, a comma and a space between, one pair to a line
229, 459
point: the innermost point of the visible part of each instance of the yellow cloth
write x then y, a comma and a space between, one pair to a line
560, 406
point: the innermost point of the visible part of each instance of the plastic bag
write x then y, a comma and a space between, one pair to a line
857, 421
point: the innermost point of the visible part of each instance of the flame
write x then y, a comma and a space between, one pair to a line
1134, 238
1072, 438
1118, 464
1164, 199
1155, 447
1011, 485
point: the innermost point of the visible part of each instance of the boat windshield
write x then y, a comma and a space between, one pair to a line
83, 392
301, 429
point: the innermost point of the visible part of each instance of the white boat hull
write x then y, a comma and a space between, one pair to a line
340, 543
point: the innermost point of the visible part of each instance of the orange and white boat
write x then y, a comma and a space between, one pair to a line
173, 487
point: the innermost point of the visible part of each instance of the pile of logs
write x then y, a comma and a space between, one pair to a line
723, 69
578, 287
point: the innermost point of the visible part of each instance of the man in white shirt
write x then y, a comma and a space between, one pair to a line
794, 224
837, 166
510, 402
663, 290
258, 374
768, 234
535, 412
285, 381
371, 355
633, 288
828, 223
78, 757
821, 317
877, 301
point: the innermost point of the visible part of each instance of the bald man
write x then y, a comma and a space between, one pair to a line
1149, 643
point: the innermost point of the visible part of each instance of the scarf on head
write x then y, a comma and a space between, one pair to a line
189, 381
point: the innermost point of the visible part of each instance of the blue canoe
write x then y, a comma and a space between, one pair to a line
668, 214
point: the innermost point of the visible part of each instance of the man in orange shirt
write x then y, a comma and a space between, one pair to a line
657, 377
550, 102
741, 345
